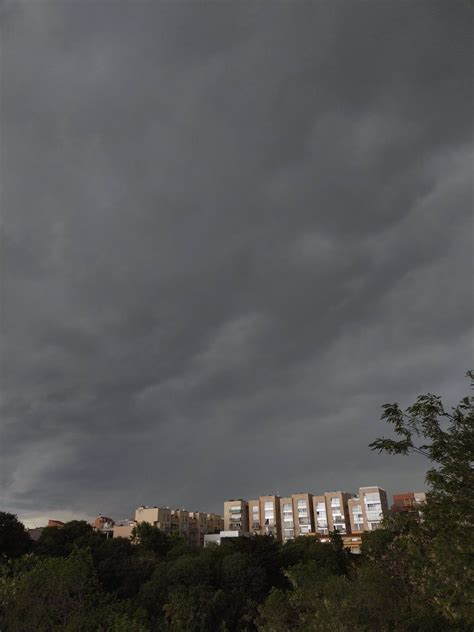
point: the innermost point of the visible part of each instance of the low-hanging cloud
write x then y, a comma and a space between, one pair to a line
229, 234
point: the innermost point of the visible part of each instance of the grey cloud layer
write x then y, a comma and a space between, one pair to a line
229, 234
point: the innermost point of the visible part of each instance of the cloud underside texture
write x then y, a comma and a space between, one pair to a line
230, 232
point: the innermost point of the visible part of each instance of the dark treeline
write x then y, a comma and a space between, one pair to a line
416, 573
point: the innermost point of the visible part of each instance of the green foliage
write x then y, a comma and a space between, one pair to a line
121, 567
445, 575
152, 539
60, 541
14, 538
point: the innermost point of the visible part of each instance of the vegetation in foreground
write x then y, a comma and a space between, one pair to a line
414, 574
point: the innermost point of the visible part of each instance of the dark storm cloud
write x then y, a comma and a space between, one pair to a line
230, 232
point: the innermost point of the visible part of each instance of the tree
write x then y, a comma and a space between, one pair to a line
121, 567
14, 538
60, 541
152, 539
445, 573
63, 594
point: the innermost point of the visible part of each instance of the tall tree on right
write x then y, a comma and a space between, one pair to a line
444, 574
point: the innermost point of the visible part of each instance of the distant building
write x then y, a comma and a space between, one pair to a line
320, 512
192, 525
338, 511
123, 529
408, 501
374, 506
289, 517
157, 516
236, 515
104, 525
55, 523
180, 522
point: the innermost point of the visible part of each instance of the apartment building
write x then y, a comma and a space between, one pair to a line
303, 511
236, 515
301, 514
197, 528
179, 522
157, 516
270, 513
287, 516
321, 524
215, 523
123, 529
374, 506
192, 525
338, 511
356, 515
255, 519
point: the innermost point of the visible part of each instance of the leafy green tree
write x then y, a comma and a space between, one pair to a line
60, 541
14, 538
121, 567
62, 594
445, 574
152, 539
56, 594
194, 609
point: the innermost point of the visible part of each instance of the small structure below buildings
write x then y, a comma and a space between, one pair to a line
216, 538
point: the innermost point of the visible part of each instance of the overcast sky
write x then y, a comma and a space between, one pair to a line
230, 233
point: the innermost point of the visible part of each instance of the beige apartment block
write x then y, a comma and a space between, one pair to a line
303, 511
374, 505
338, 511
124, 529
356, 515
215, 523
255, 520
236, 515
320, 512
157, 516
287, 517
179, 522
270, 516
197, 527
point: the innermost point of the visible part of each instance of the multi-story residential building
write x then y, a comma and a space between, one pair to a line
338, 511
157, 516
179, 522
356, 515
192, 525
197, 527
321, 525
303, 511
215, 523
374, 505
255, 521
270, 515
287, 516
304, 514
123, 529
236, 515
